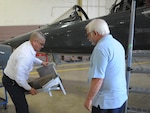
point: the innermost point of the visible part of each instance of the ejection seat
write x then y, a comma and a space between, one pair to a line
49, 80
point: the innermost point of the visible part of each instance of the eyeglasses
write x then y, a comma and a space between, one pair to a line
42, 44
87, 34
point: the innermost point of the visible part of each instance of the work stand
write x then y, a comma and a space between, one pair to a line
3, 100
129, 64
139, 90
5, 52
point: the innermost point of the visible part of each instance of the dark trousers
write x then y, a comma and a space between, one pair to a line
17, 94
99, 110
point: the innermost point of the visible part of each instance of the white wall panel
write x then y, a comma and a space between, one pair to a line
40, 12
96, 8
109, 4
32, 12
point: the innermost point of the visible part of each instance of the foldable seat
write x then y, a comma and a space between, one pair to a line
49, 80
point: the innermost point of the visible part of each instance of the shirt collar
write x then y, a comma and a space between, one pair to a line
105, 37
32, 49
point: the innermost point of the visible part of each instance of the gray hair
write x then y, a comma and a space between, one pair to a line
98, 25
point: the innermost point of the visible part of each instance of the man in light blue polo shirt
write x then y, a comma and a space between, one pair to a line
107, 92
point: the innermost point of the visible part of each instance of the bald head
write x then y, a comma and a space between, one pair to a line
37, 40
37, 35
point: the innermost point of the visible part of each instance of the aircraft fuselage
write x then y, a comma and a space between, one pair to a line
70, 37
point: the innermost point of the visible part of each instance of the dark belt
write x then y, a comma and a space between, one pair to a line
13, 82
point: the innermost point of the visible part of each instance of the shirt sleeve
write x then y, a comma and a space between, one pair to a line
37, 61
100, 61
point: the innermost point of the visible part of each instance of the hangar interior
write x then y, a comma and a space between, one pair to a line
19, 16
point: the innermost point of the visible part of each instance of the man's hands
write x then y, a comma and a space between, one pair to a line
88, 104
45, 63
33, 91
94, 88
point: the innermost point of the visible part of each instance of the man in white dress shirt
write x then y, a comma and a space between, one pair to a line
18, 68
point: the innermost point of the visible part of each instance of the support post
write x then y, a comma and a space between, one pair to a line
130, 48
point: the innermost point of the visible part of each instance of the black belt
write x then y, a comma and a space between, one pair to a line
13, 82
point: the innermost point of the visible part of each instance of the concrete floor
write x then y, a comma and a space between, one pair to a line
74, 78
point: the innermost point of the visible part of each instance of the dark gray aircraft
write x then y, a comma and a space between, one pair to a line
67, 34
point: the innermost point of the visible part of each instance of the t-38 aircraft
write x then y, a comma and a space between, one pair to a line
67, 34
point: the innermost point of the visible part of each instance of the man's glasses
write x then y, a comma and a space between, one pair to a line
87, 34
42, 44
